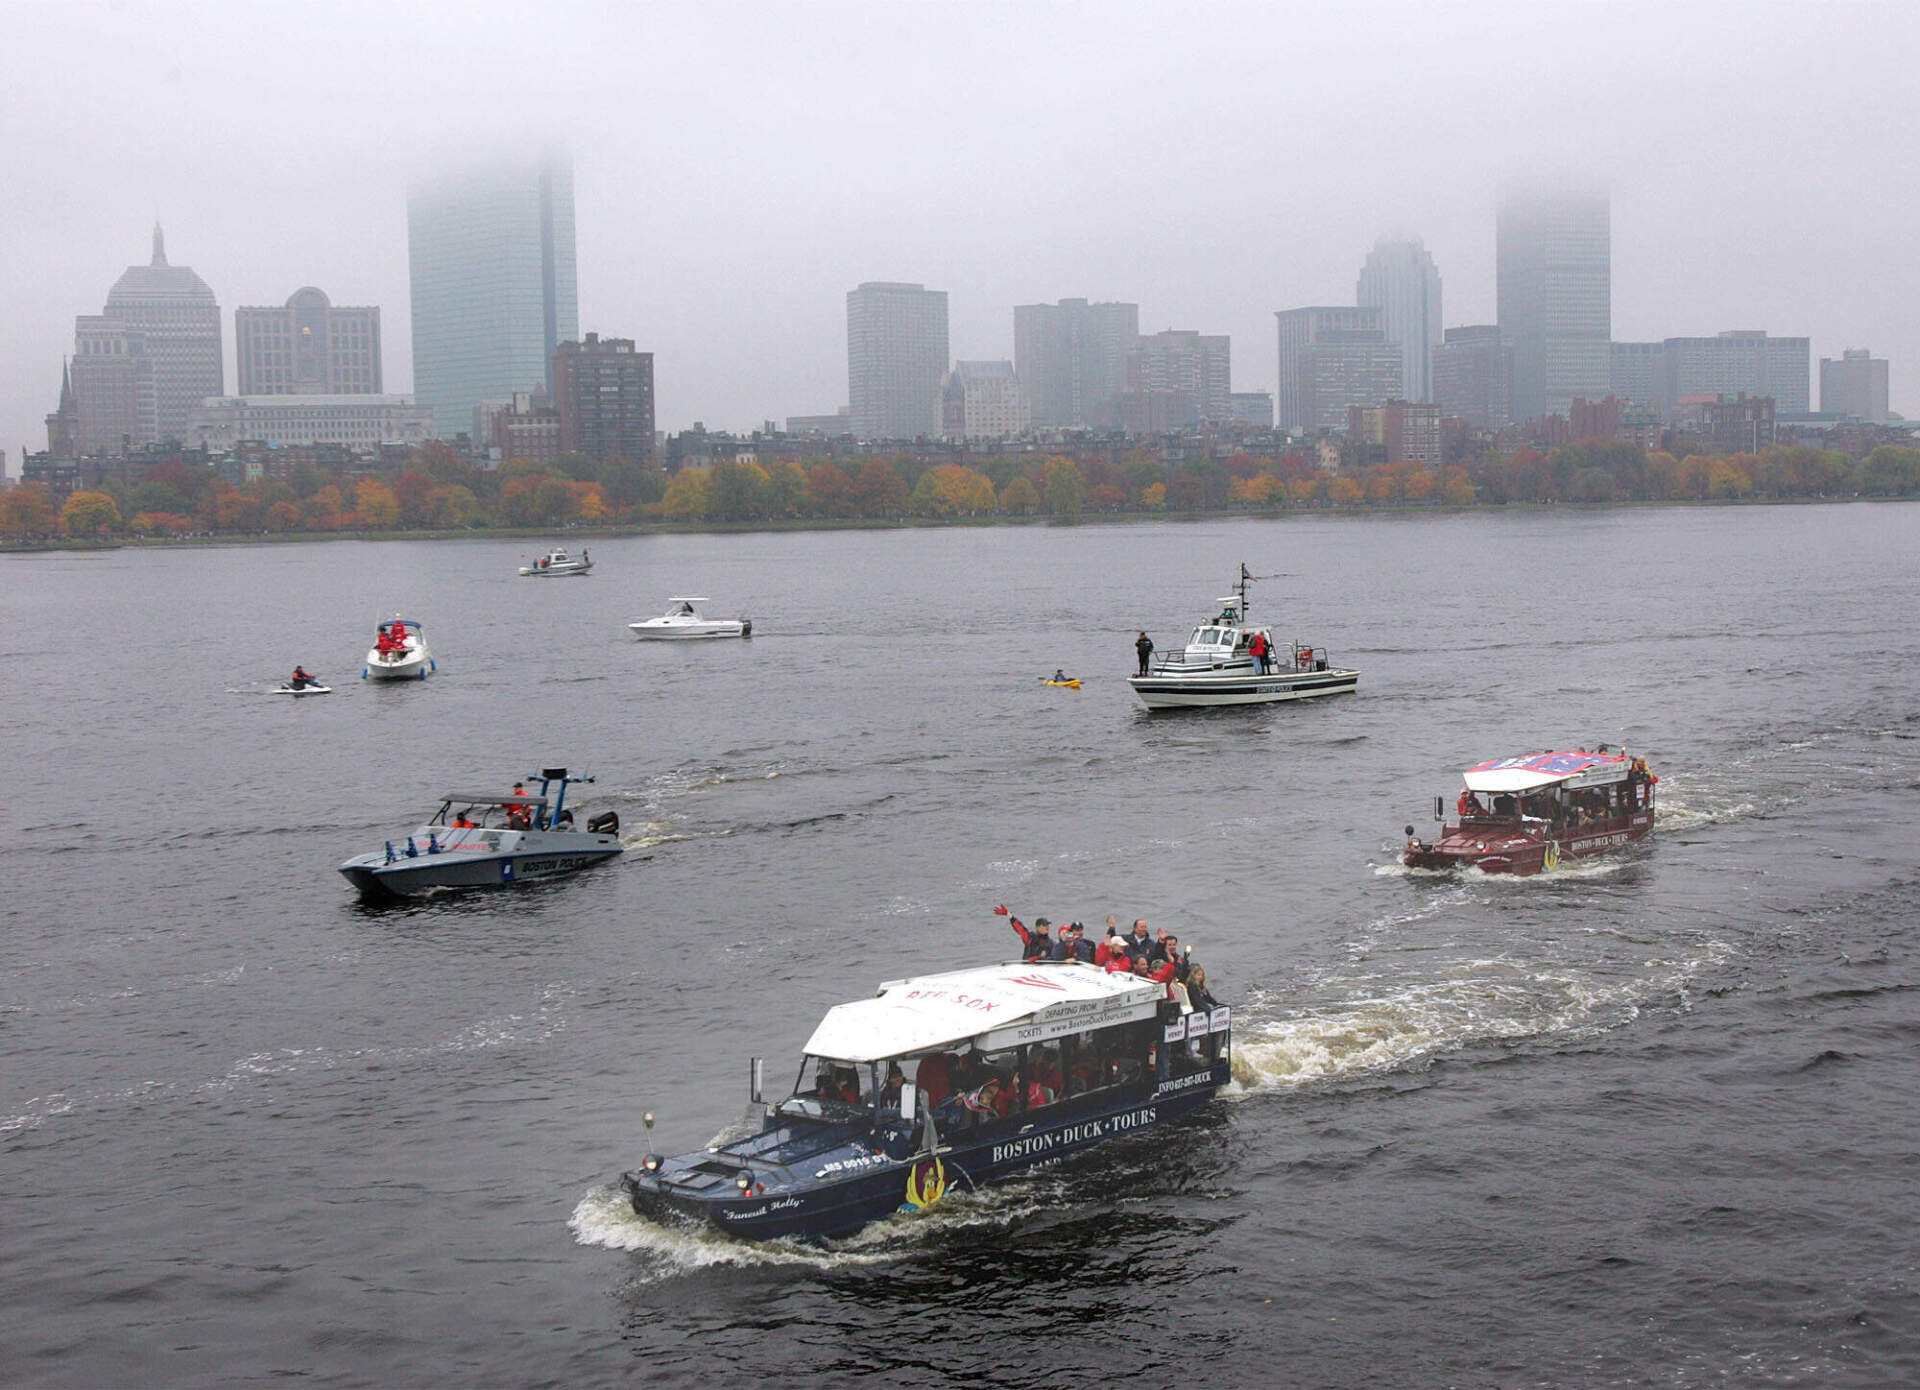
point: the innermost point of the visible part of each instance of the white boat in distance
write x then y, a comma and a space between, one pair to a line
682, 621
557, 564
399, 653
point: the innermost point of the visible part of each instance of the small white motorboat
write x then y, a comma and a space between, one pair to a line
681, 620
399, 652
557, 564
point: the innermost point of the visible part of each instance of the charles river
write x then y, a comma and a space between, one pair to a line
1648, 1121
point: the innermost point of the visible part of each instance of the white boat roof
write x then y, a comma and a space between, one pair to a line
688, 598
1531, 771
994, 1006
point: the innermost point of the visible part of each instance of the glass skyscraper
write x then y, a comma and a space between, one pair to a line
1556, 300
1400, 280
490, 254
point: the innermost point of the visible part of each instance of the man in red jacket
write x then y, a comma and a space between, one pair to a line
1036, 944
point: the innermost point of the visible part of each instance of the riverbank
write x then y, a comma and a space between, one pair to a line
788, 524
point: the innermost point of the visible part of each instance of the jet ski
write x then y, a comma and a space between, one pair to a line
305, 688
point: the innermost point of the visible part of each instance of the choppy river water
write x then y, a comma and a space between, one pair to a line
1649, 1121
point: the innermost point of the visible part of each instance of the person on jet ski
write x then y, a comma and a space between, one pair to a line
301, 678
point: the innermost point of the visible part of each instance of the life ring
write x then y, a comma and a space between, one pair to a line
1552, 858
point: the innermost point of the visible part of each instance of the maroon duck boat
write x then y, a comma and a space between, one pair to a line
1524, 814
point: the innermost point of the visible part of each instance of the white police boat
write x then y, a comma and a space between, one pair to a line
479, 840
940, 1084
557, 564
399, 652
1217, 666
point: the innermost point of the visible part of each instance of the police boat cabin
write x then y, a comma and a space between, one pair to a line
1523, 814
940, 1084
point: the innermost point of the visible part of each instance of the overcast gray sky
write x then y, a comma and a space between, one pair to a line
739, 167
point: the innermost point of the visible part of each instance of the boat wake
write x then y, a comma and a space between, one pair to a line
1409, 1024
604, 1217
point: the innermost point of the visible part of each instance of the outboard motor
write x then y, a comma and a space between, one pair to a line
606, 823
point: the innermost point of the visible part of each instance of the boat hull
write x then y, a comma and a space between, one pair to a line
412, 665
1006, 1149
554, 571
688, 632
1506, 852
1209, 690
536, 858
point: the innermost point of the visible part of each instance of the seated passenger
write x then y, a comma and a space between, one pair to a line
846, 1086
890, 1088
983, 1102
462, 821
1118, 962
1046, 1071
934, 1077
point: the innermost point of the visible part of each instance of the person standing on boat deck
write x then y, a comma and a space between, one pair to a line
1036, 944
1143, 646
1139, 940
1257, 649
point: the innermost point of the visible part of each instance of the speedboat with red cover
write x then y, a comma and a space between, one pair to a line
1523, 814
939, 1084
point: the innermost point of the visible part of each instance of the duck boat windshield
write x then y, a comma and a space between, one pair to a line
942, 1082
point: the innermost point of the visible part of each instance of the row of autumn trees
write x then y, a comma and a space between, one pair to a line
435, 490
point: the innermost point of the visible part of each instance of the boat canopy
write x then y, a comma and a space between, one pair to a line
412, 626
687, 598
1531, 771
994, 1007
491, 799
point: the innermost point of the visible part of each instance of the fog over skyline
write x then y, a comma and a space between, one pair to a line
739, 168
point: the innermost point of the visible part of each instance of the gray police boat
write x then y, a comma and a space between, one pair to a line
479, 840
940, 1084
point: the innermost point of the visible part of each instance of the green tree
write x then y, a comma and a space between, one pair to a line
1066, 492
686, 496
1890, 471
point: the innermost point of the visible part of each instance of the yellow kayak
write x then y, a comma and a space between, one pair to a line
1073, 684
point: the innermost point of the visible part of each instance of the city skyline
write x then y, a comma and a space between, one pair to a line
727, 255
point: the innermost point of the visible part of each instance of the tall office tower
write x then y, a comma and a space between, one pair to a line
1072, 358
1333, 357
1855, 386
1555, 299
1473, 377
896, 359
1197, 366
307, 348
490, 256
1400, 280
150, 356
604, 392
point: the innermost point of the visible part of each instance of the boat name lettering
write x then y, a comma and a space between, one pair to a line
539, 866
1084, 1132
747, 1214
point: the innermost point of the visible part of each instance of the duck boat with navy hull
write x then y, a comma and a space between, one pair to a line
1528, 813
1217, 666
478, 840
941, 1084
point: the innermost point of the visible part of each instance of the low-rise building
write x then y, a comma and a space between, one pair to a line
358, 421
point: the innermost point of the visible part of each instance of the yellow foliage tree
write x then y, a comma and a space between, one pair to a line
1020, 497
375, 505
687, 495
1347, 492
1154, 497
89, 514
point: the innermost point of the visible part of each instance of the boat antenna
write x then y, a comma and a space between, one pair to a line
1246, 578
